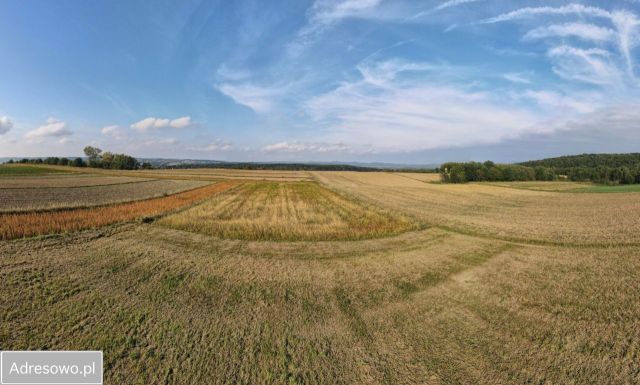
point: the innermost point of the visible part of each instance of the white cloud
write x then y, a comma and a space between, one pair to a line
586, 103
294, 147
216, 145
182, 122
408, 116
145, 124
323, 14
161, 142
536, 11
453, 3
379, 73
516, 78
259, 99
53, 128
445, 5
151, 122
5, 124
582, 31
625, 22
592, 65
226, 73
112, 131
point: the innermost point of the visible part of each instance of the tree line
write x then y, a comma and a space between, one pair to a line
612, 161
488, 171
52, 160
457, 172
96, 158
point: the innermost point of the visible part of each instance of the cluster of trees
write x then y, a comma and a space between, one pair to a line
630, 160
53, 160
98, 159
597, 168
95, 158
488, 171
604, 174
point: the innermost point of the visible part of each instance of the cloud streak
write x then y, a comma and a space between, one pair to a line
156, 123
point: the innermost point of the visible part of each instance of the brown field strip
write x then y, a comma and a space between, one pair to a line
71, 180
42, 199
18, 225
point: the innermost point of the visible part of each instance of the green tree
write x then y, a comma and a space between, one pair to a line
93, 153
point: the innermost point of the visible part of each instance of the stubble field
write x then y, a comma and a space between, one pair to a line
342, 278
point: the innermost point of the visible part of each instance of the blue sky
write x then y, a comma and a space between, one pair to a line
356, 80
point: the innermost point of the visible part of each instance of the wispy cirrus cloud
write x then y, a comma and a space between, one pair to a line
584, 31
324, 14
259, 99
591, 65
625, 23
405, 115
515, 77
302, 147
214, 146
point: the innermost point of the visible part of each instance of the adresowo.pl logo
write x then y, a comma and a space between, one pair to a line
51, 367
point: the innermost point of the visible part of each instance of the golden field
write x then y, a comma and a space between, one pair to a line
285, 211
352, 278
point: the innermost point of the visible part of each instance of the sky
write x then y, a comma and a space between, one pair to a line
397, 81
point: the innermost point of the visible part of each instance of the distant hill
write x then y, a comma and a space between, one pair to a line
587, 160
307, 166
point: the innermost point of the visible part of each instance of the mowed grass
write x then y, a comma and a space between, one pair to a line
286, 211
28, 224
426, 307
520, 215
10, 170
231, 301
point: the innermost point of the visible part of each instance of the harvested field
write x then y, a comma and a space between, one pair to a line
209, 174
66, 181
506, 213
17, 225
431, 307
421, 176
286, 211
29, 199
342, 282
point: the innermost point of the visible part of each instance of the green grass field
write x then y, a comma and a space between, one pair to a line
9, 170
622, 188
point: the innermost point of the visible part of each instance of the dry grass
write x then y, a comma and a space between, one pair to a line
505, 213
173, 307
30, 199
431, 306
286, 211
17, 225
198, 173
421, 176
66, 181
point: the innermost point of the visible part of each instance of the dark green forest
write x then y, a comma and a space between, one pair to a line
596, 168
